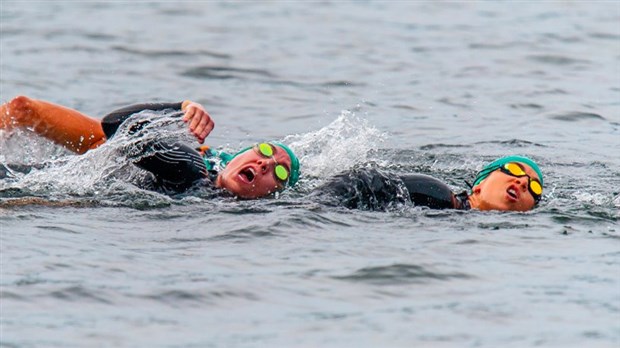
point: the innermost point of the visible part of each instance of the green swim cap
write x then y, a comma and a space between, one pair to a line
489, 168
295, 170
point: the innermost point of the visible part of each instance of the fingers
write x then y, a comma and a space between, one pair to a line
203, 129
200, 122
190, 111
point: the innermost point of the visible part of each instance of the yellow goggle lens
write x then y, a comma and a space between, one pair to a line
281, 172
265, 149
535, 187
514, 169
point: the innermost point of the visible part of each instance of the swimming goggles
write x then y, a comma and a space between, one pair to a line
516, 170
266, 150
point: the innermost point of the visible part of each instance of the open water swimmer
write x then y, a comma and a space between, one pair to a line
512, 183
254, 172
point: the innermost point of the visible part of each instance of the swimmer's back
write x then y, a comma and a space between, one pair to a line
372, 189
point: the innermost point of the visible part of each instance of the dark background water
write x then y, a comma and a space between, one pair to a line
439, 88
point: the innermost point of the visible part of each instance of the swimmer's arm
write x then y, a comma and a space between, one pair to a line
198, 119
113, 120
132, 109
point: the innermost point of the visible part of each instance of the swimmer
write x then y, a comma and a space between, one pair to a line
253, 172
511, 183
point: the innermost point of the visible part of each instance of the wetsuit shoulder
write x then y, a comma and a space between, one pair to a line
175, 167
113, 120
372, 189
363, 188
430, 192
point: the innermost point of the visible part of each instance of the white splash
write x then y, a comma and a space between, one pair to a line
596, 198
91, 174
338, 146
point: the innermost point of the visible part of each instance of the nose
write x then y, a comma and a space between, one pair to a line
523, 182
265, 164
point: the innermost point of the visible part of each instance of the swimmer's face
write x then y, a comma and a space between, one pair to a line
500, 191
252, 175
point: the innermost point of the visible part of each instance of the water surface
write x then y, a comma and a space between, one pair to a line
437, 88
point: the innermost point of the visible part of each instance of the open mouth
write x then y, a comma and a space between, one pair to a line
513, 193
247, 175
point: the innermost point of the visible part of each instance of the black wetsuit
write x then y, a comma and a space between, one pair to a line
175, 167
371, 189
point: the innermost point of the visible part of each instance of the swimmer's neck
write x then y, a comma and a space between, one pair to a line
474, 201
218, 181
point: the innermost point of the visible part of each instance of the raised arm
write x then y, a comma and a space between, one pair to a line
199, 121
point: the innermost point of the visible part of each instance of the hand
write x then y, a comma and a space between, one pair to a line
200, 123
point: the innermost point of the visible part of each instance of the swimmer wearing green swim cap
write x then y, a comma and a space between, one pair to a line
509, 183
512, 183
253, 172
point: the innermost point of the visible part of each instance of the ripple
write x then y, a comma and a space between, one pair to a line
495, 46
314, 220
564, 39
512, 143
78, 293
606, 36
574, 116
443, 146
170, 53
503, 225
184, 297
7, 295
557, 60
340, 83
58, 229
99, 36
527, 106
223, 73
448, 101
245, 233
399, 274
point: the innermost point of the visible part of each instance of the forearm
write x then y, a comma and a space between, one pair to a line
64, 126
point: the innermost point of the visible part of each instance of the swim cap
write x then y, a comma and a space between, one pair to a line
489, 168
295, 170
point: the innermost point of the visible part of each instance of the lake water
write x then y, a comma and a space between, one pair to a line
437, 88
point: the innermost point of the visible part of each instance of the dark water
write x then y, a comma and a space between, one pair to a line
437, 88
